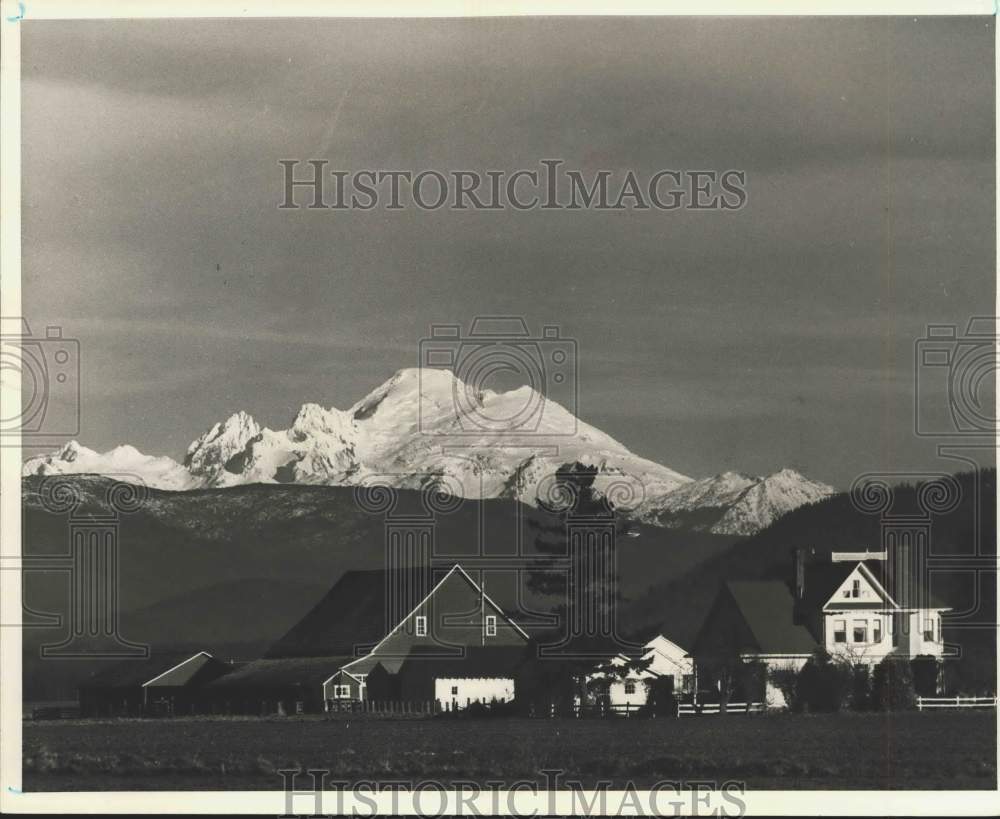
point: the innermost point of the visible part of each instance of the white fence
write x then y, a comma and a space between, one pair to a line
925, 703
694, 709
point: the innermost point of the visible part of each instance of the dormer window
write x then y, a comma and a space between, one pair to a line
421, 626
491, 626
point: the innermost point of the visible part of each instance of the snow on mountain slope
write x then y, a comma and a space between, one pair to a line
122, 462
733, 503
410, 430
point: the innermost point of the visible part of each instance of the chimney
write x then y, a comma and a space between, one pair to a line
801, 556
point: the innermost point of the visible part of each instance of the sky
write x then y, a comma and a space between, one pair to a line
778, 335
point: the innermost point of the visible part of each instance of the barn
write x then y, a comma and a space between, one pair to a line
165, 683
454, 645
291, 685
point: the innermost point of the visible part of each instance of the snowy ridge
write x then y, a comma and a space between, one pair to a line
408, 432
733, 503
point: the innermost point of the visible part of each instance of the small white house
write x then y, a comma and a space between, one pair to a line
666, 659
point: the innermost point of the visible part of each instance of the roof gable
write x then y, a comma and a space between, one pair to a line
455, 610
860, 587
768, 610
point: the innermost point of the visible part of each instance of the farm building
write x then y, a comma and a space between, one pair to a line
617, 684
858, 606
293, 685
752, 620
165, 683
454, 645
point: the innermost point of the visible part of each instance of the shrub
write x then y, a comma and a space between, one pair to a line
660, 701
925, 670
824, 685
892, 685
786, 680
861, 688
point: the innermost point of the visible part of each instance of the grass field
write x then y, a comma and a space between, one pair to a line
781, 751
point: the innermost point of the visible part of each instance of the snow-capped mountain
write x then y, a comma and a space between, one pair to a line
409, 431
733, 503
122, 461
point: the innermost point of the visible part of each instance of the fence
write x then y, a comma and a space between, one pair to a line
926, 703
56, 712
385, 708
604, 710
689, 709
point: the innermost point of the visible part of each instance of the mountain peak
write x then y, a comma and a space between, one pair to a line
512, 444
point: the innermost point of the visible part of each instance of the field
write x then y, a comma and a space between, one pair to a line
780, 751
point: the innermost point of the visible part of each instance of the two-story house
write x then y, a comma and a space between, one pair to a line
858, 606
862, 606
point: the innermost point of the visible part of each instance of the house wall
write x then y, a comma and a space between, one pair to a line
911, 640
340, 679
671, 659
617, 694
458, 693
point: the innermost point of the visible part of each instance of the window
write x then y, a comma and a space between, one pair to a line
847, 592
342, 692
630, 687
421, 626
840, 631
929, 629
454, 690
860, 631
855, 588
877, 630
491, 626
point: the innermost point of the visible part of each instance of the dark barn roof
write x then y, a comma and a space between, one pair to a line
350, 615
278, 673
473, 663
768, 610
136, 673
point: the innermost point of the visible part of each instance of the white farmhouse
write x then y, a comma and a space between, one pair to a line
630, 688
857, 606
862, 607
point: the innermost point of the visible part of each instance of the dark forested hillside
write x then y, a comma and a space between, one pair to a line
678, 605
229, 570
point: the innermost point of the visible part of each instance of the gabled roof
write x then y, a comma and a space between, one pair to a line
870, 577
172, 668
823, 578
269, 673
767, 608
393, 648
351, 614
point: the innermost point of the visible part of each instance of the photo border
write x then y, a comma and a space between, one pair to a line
12, 13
